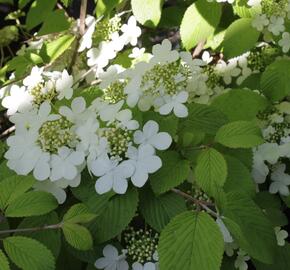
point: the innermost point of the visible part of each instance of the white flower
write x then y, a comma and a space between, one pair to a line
112, 260
276, 25
260, 21
194, 64
34, 78
112, 174
64, 164
241, 260
144, 161
253, 3
281, 236
118, 42
86, 40
162, 53
146, 266
136, 52
225, 232
18, 100
64, 86
285, 42
110, 75
131, 31
151, 136
125, 120
230, 248
227, 71
281, 181
175, 103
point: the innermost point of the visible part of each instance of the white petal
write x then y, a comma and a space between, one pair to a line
182, 97
140, 177
101, 166
78, 105
152, 164
41, 171
180, 110
101, 263
120, 185
104, 183
166, 109
111, 252
150, 128
161, 141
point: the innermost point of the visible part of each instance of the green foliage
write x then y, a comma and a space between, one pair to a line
199, 22
78, 213
211, 170
191, 241
234, 43
28, 254
152, 15
4, 263
32, 203
159, 210
173, 172
104, 7
239, 134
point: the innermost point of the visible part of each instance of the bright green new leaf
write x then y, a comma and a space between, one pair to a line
240, 37
242, 9
199, 22
78, 213
77, 236
275, 82
239, 134
191, 241
104, 7
147, 12
12, 187
211, 170
4, 263
173, 172
29, 254
33, 203
158, 211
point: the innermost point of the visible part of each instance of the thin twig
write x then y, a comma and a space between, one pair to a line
198, 49
83, 13
7, 132
35, 229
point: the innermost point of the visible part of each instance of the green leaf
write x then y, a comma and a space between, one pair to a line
77, 236
4, 263
12, 187
104, 7
236, 43
239, 177
199, 22
171, 17
242, 9
115, 217
239, 134
158, 211
29, 254
52, 50
191, 241
23, 3
204, 118
173, 172
55, 22
247, 104
38, 12
66, 3
211, 170
33, 203
78, 213
275, 82
255, 228
147, 12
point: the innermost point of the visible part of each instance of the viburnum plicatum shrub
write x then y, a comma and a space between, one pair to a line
145, 135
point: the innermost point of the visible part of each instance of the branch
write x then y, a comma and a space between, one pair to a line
198, 49
35, 229
7, 132
83, 13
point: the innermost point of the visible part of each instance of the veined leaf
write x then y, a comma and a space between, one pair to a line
78, 213
4, 263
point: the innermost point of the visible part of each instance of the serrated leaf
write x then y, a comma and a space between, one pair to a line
242, 9
115, 216
29, 254
33, 203
12, 187
199, 22
236, 44
173, 172
191, 241
77, 236
239, 134
247, 104
147, 12
275, 82
255, 228
104, 7
78, 213
158, 211
4, 263
204, 118
210, 171
50, 238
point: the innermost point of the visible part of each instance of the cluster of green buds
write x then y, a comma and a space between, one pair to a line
141, 244
214, 79
55, 134
8, 34
171, 78
105, 28
43, 92
118, 139
274, 7
281, 130
115, 92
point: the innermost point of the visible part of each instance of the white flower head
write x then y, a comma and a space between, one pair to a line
112, 260
285, 42
260, 22
281, 181
281, 236
131, 31
162, 53
241, 260
136, 52
86, 39
151, 136
34, 78
146, 266
64, 85
276, 25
